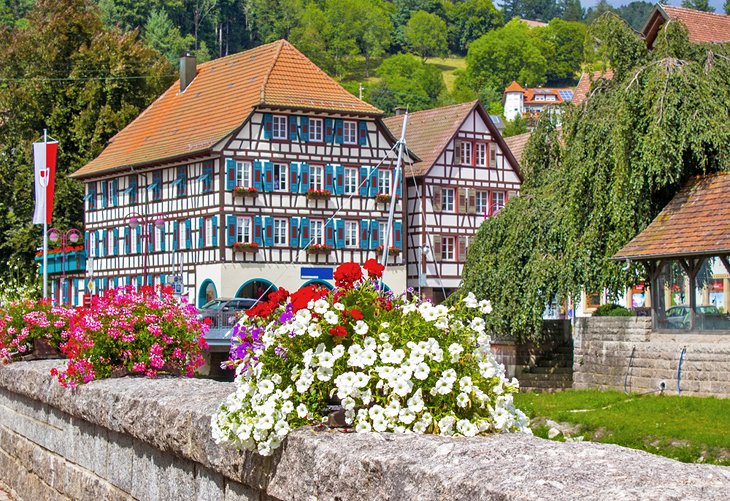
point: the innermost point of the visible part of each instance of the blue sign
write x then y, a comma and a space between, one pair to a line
316, 273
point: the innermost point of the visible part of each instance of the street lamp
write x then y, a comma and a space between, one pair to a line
71, 235
136, 220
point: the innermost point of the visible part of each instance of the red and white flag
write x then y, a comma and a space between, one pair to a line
44, 156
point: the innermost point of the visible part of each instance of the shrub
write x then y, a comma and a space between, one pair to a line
612, 310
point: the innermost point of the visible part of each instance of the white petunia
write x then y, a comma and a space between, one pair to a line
363, 427
324, 373
421, 371
466, 428
455, 350
485, 306
338, 306
462, 400
302, 411
361, 328
385, 325
321, 306
331, 317
338, 351
326, 359
470, 301
265, 387
314, 330
402, 387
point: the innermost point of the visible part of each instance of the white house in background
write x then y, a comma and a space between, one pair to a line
531, 102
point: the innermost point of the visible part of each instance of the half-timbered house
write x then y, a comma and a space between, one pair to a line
254, 171
466, 175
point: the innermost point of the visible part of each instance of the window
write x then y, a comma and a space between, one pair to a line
156, 185
382, 229
492, 154
181, 181
316, 231
209, 232
110, 193
243, 229
159, 239
351, 230
279, 127
447, 248
350, 181
315, 129
464, 153
497, 201
131, 190
482, 202
316, 177
349, 132
482, 154
207, 176
280, 233
281, 172
384, 182
243, 174
91, 196
447, 200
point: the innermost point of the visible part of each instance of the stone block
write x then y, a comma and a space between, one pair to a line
144, 473
238, 492
209, 485
118, 464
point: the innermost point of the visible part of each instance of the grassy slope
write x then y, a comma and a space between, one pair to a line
447, 65
689, 429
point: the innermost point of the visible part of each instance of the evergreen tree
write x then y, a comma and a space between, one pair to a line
703, 5
425, 35
572, 10
469, 20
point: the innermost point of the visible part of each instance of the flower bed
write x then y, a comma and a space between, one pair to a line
319, 249
245, 246
242, 190
395, 363
318, 194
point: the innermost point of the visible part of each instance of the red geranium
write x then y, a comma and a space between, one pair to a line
385, 303
356, 314
301, 298
338, 331
374, 269
347, 274
278, 296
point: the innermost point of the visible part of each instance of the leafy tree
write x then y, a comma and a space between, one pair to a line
726, 7
572, 10
601, 8
703, 5
163, 36
425, 35
14, 11
515, 127
271, 20
402, 11
543, 10
562, 44
406, 81
503, 55
469, 20
592, 185
65, 72
635, 13
511, 9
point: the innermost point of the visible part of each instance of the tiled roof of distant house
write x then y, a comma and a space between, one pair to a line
562, 95
517, 144
701, 26
584, 84
218, 100
695, 222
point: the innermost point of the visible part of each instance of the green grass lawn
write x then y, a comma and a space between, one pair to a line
448, 67
690, 429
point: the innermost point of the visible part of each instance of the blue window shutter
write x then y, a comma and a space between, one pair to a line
268, 125
303, 178
104, 195
329, 132
207, 176
338, 130
340, 233
188, 233
163, 279
329, 232
268, 231
128, 241
294, 232
104, 247
115, 243
201, 232
157, 181
373, 186
257, 233
363, 181
364, 233
230, 230
339, 180
138, 231
304, 232
150, 237
398, 234
258, 169
115, 192
268, 176
362, 133
214, 226
293, 128
132, 189
162, 235
400, 182
86, 243
175, 235
374, 228
105, 283
294, 177
329, 178
230, 174
304, 129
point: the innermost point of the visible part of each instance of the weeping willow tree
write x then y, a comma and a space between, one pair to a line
598, 180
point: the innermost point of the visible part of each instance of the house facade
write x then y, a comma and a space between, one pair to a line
529, 103
255, 171
466, 175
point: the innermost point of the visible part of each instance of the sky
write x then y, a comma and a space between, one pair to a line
717, 4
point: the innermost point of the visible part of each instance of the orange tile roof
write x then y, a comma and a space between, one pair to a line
695, 222
517, 144
702, 27
585, 83
514, 87
218, 100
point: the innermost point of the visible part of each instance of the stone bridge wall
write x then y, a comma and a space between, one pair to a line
602, 357
134, 438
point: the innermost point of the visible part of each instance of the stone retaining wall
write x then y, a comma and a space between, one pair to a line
134, 438
603, 359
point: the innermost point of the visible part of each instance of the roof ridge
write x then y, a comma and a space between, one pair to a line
694, 11
439, 108
274, 60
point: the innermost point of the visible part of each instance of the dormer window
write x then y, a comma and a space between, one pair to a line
278, 130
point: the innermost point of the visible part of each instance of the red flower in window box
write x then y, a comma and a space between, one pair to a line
319, 249
246, 246
392, 251
243, 190
383, 198
318, 194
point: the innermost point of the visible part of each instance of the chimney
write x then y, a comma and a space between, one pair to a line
400, 111
187, 70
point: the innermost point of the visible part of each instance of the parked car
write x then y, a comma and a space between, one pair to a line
224, 312
678, 316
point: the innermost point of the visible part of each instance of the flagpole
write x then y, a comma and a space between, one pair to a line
45, 233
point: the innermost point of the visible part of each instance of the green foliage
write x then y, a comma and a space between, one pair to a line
592, 185
425, 35
572, 10
563, 44
402, 10
406, 81
515, 127
703, 5
543, 10
612, 310
163, 36
469, 20
635, 13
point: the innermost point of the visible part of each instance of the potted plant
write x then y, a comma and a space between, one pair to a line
243, 190
246, 246
318, 194
383, 198
319, 249
392, 251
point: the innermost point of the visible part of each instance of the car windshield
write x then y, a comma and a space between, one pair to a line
708, 310
213, 305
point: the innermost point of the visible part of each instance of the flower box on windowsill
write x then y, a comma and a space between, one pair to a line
319, 249
318, 195
383, 198
242, 190
392, 251
246, 246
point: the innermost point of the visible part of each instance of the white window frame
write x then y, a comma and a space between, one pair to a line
496, 207
384, 182
316, 130
208, 221
482, 154
349, 132
352, 234
281, 231
316, 177
465, 153
447, 200
244, 230
448, 248
350, 181
160, 235
281, 182
244, 174
382, 228
482, 202
277, 131
316, 231
110, 193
